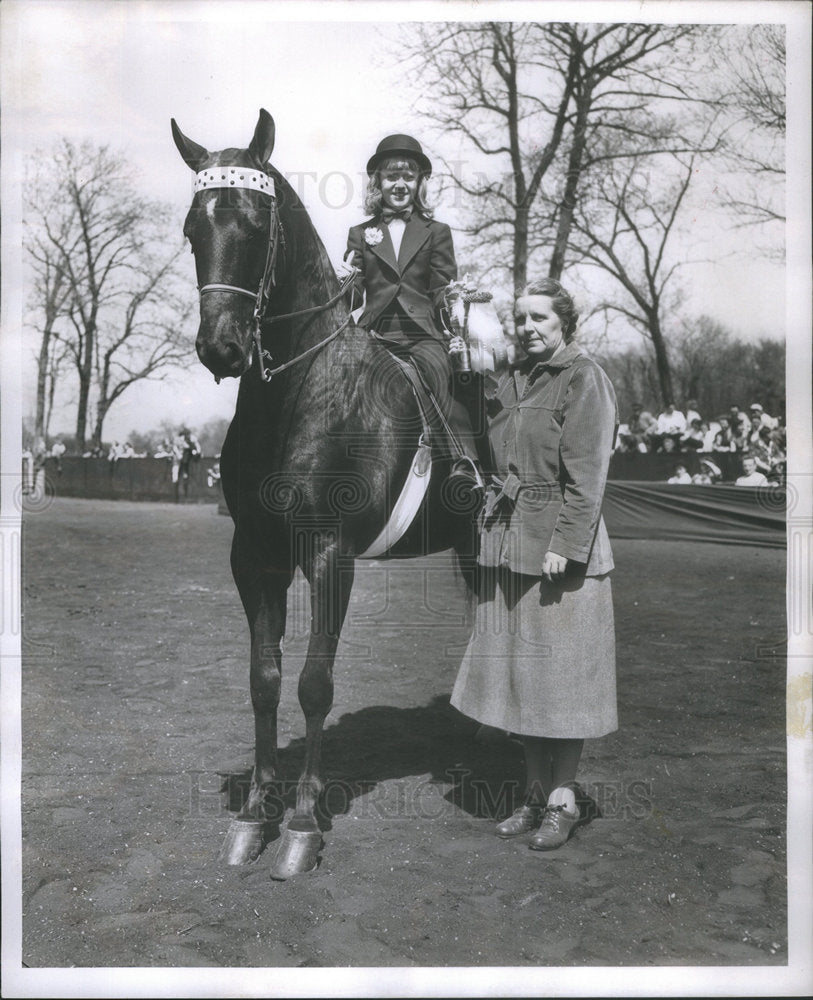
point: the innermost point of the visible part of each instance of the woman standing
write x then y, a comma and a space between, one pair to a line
403, 261
541, 660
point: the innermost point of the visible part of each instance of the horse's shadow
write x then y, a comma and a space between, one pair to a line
380, 743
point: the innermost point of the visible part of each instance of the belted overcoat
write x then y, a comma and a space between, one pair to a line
552, 432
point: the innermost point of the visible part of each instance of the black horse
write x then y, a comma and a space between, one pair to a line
327, 431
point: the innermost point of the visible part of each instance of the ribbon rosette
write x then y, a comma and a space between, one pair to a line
373, 236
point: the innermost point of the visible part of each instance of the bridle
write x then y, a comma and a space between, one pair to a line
257, 180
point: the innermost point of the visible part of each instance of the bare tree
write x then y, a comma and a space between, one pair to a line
51, 235
144, 339
625, 232
628, 80
498, 86
59, 361
710, 364
751, 91
101, 267
547, 104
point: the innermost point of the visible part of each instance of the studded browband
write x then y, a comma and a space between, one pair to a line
237, 177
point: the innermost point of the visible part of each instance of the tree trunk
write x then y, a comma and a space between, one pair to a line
49, 407
661, 359
101, 413
520, 268
85, 377
42, 382
567, 205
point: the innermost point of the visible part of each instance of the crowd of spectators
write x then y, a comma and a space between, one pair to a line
754, 436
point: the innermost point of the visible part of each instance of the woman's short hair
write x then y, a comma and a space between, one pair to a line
373, 196
563, 304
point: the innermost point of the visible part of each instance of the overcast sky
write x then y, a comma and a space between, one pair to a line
117, 72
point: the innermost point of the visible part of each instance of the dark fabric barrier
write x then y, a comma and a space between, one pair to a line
658, 467
734, 515
129, 479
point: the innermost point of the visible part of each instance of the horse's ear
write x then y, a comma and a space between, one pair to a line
262, 145
194, 155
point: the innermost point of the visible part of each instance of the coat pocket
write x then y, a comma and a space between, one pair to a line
538, 431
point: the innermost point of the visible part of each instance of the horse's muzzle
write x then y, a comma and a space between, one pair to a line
224, 347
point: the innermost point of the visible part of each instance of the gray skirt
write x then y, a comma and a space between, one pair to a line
541, 658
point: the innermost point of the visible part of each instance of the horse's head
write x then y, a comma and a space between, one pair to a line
233, 227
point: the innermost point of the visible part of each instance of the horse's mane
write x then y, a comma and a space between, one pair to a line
352, 354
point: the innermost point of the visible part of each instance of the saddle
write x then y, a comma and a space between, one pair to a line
420, 471
437, 438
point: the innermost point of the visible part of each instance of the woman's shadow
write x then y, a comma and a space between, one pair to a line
484, 767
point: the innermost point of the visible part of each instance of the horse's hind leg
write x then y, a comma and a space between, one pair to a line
264, 599
331, 580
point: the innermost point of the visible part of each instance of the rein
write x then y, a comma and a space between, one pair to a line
257, 180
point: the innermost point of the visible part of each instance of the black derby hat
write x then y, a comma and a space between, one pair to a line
399, 145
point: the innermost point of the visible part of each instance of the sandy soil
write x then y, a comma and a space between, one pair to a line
135, 704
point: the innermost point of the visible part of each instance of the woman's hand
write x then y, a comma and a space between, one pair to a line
553, 566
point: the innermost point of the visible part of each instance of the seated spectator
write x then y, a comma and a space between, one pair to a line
738, 421
759, 448
670, 423
709, 474
778, 455
681, 476
668, 445
750, 476
739, 437
692, 439
622, 439
642, 425
164, 450
755, 409
711, 431
723, 439
754, 427
127, 450
692, 412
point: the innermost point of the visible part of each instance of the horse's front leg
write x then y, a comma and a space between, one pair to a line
331, 580
264, 599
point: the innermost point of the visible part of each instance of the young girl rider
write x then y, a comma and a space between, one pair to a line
403, 261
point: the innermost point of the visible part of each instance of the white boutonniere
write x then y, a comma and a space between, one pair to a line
373, 236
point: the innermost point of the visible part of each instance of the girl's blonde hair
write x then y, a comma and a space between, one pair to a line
373, 196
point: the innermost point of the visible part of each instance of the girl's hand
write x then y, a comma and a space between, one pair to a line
457, 345
553, 567
346, 269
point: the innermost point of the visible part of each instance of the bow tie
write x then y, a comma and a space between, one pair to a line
388, 214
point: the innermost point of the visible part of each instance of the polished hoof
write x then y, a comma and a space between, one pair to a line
298, 852
522, 820
243, 844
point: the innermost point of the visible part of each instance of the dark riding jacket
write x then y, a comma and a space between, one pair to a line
413, 283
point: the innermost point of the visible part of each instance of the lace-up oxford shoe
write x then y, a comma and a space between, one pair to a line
522, 820
557, 826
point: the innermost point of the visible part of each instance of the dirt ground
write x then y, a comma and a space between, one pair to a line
136, 704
